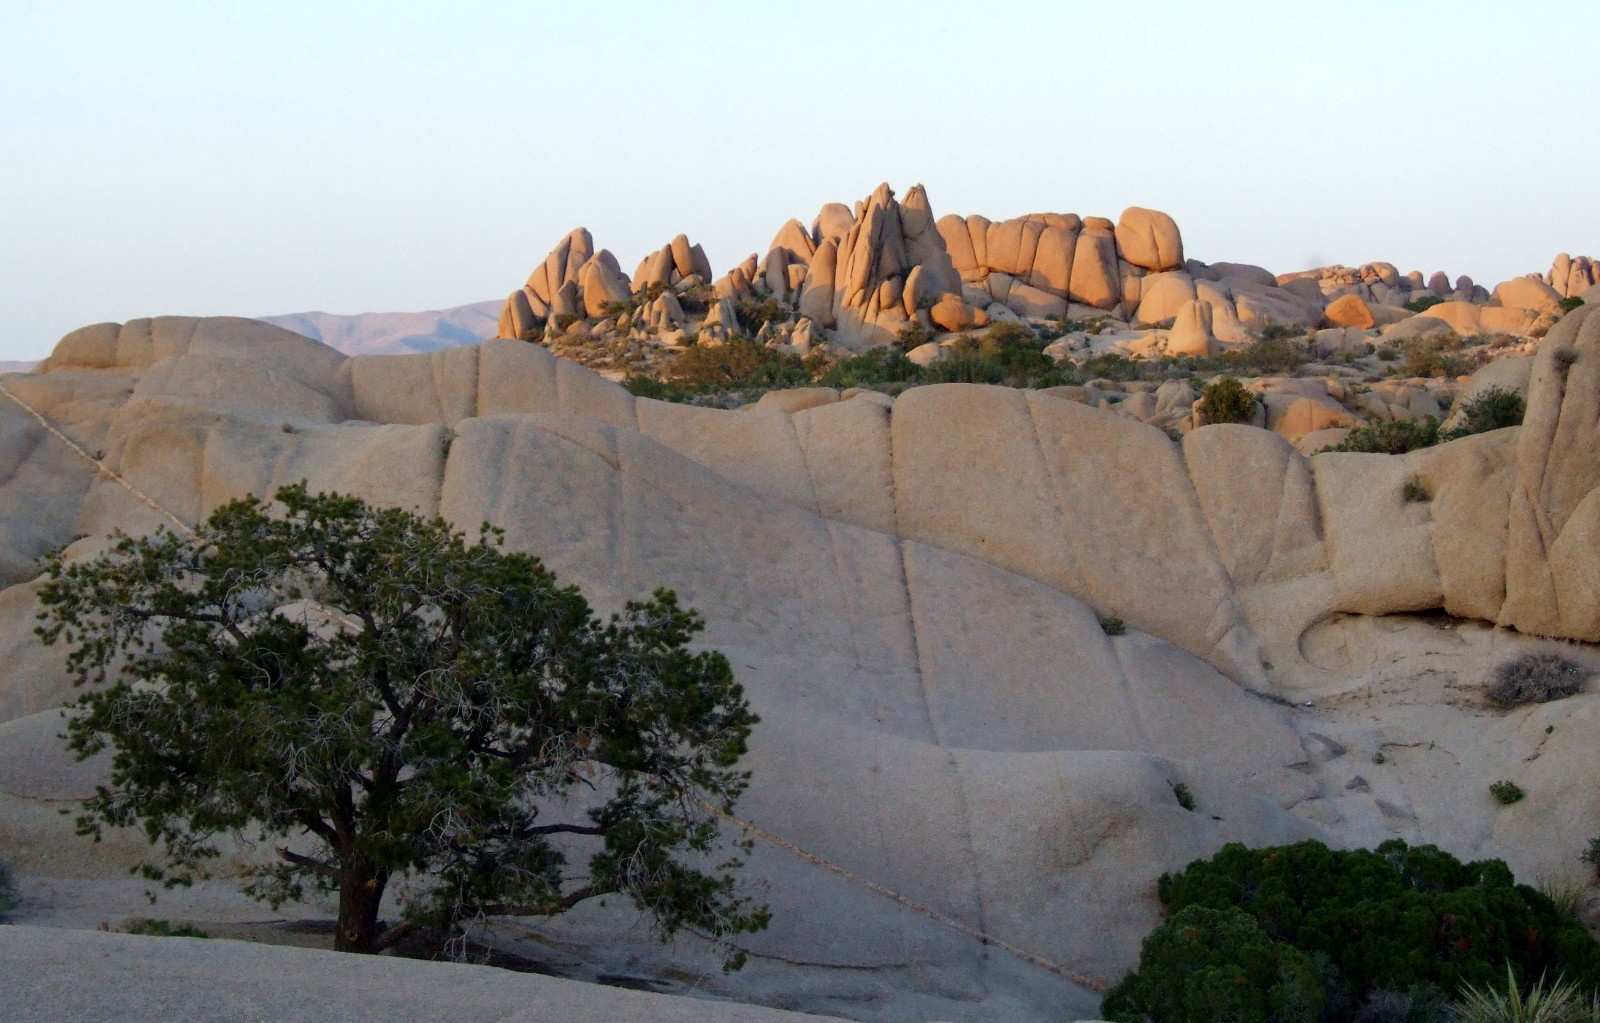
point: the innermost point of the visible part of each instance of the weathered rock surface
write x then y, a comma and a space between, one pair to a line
911, 592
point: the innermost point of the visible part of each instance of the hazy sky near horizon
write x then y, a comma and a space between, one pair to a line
206, 158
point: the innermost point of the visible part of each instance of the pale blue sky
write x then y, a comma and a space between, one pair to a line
264, 158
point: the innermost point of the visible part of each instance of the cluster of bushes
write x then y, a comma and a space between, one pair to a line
1304, 933
1493, 408
1008, 353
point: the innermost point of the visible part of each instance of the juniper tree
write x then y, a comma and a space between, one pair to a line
382, 699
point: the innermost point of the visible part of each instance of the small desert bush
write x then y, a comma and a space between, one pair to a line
8, 890
1110, 366
1507, 792
1278, 351
1423, 304
913, 335
874, 368
756, 313
1226, 401
1566, 895
1112, 625
1392, 438
1570, 303
1536, 678
740, 363
1493, 408
162, 929
1436, 355
965, 368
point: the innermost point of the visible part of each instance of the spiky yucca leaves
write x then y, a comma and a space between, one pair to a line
398, 702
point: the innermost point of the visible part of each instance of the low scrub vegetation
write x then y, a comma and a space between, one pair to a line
1391, 438
1304, 934
1536, 678
1226, 401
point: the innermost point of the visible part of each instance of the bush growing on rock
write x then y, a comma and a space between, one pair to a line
740, 363
396, 703
1493, 408
1536, 678
756, 313
1391, 438
1253, 931
1226, 401
8, 891
873, 368
1210, 964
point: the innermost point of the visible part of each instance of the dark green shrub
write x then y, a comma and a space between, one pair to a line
1435, 355
966, 368
1506, 792
1536, 678
1185, 798
1273, 353
1110, 366
1570, 303
565, 320
1493, 408
642, 386
1392, 438
1113, 626
1394, 919
1415, 492
1209, 964
695, 301
1010, 332
913, 335
756, 313
740, 363
1423, 304
873, 368
1226, 401
8, 890
163, 929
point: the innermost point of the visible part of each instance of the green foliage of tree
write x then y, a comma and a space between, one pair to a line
1209, 964
384, 700
1392, 438
1226, 401
1394, 919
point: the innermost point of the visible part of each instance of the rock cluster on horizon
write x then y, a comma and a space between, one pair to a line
990, 631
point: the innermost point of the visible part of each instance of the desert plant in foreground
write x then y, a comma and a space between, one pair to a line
1566, 895
1378, 927
1546, 1002
1536, 678
387, 701
1226, 401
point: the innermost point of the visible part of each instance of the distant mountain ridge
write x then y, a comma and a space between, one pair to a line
395, 333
